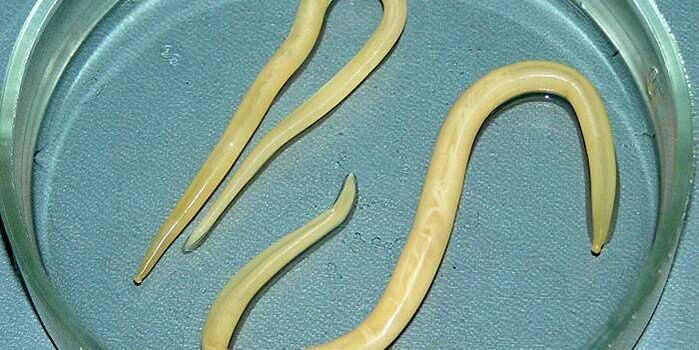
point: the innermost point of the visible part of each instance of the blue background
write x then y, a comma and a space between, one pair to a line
673, 326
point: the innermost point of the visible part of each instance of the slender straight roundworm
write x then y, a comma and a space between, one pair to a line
242, 287
285, 61
332, 93
434, 218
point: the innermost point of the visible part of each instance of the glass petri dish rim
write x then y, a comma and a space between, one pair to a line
55, 29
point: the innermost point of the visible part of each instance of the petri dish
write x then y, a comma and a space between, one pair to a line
110, 107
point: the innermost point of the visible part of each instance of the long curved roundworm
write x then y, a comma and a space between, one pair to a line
285, 61
333, 92
434, 218
232, 301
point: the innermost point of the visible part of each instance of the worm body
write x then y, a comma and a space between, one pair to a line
434, 218
286, 60
242, 287
330, 95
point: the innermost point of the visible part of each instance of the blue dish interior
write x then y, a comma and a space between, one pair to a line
148, 94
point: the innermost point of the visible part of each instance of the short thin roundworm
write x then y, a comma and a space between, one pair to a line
434, 218
285, 61
242, 287
332, 93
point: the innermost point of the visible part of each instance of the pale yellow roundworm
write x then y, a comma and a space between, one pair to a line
439, 201
285, 61
232, 301
332, 93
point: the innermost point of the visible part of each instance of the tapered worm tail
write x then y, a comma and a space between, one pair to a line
290, 55
242, 287
434, 219
330, 95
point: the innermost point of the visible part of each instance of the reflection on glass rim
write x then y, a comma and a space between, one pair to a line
43, 50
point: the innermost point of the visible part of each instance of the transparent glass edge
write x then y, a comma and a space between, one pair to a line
622, 330
643, 39
48, 39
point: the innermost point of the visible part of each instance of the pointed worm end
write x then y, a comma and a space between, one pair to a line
596, 249
146, 267
138, 279
193, 242
351, 180
598, 240
348, 191
345, 199
189, 247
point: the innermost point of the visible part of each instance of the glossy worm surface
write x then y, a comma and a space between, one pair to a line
332, 93
285, 61
439, 201
242, 287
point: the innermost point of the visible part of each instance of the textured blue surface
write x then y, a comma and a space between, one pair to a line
146, 109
